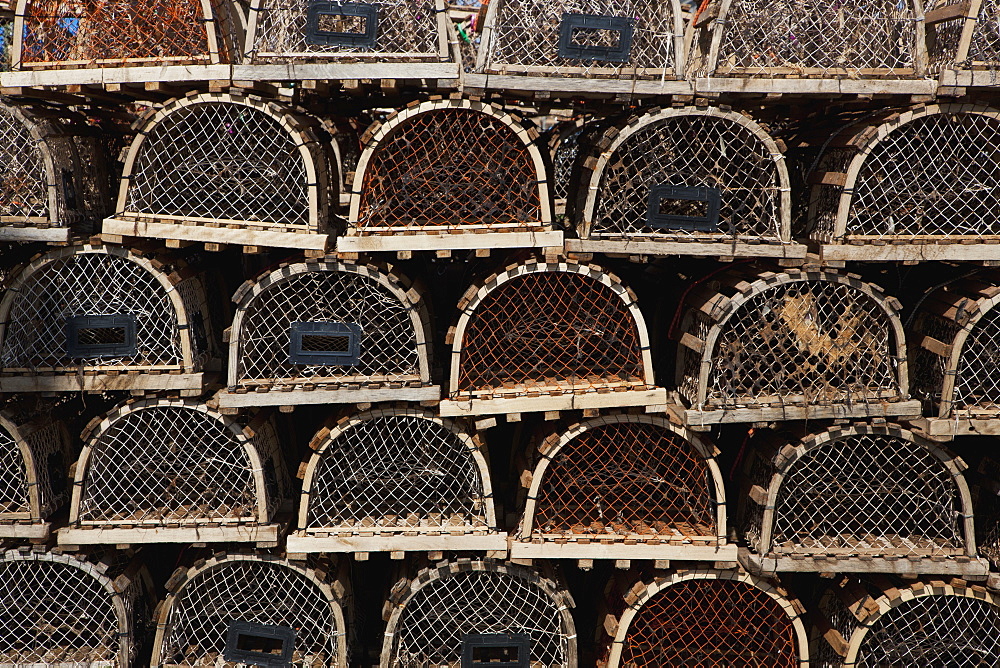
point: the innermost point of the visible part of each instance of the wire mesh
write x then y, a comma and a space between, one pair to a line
6, 42
221, 161
50, 451
252, 590
397, 471
436, 619
388, 349
450, 168
818, 39
564, 147
984, 46
13, 476
976, 388
549, 329
987, 518
708, 622
23, 178
627, 478
944, 37
929, 368
692, 150
89, 284
526, 34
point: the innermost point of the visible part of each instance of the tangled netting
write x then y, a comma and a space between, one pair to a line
527, 32
550, 328
388, 349
262, 592
435, 621
691, 150
976, 386
93, 30
711, 623
627, 478
89, 284
815, 341
23, 191
173, 464
934, 176
450, 168
397, 470
867, 492
220, 161
938, 631
405, 29
822, 38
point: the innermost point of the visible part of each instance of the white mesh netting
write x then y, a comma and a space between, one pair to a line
23, 178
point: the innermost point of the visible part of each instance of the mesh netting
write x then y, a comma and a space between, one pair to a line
397, 471
49, 449
868, 493
945, 36
814, 340
976, 383
928, 368
987, 515
564, 156
627, 478
23, 191
818, 38
405, 29
388, 348
938, 631
526, 34
92, 30
437, 618
934, 176
550, 328
261, 592
711, 623
220, 161
984, 47
89, 284
691, 150
13, 476
450, 168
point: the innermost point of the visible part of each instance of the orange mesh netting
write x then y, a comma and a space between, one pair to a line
450, 168
626, 478
711, 623
551, 328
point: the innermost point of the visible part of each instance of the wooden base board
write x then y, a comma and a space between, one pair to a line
696, 418
229, 399
263, 535
462, 241
598, 550
333, 71
562, 402
976, 568
38, 531
105, 383
765, 84
121, 75
913, 252
215, 235
57, 234
303, 543
718, 249
576, 85
945, 429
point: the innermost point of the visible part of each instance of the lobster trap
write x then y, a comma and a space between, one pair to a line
449, 174
238, 609
469, 612
169, 471
917, 185
708, 178
858, 498
797, 345
394, 479
541, 337
53, 34
625, 487
964, 35
707, 617
99, 318
227, 169
64, 611
323, 331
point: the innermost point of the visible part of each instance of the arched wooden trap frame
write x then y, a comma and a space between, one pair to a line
221, 603
323, 331
543, 337
227, 169
691, 180
446, 610
893, 623
859, 498
170, 471
449, 174
921, 184
34, 464
611, 45
708, 618
64, 611
396, 479
762, 346
98, 318
50, 34
624, 487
